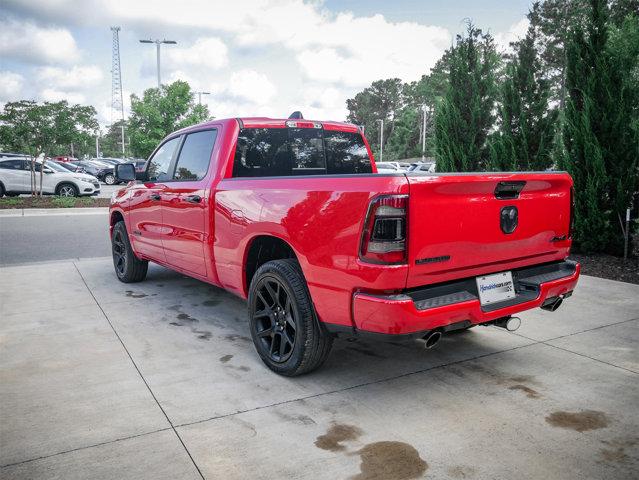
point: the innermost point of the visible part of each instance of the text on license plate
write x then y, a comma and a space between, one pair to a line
495, 288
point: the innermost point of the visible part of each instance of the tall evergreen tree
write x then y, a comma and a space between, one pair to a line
601, 144
524, 140
381, 101
465, 115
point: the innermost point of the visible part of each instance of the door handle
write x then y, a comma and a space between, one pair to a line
193, 199
155, 196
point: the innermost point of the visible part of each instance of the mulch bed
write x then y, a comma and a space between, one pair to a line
52, 202
607, 266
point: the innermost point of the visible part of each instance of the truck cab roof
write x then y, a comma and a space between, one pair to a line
266, 122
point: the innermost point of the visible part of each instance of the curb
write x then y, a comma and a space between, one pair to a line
46, 212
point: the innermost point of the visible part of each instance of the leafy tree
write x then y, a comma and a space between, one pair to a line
524, 140
381, 101
552, 21
465, 115
111, 141
159, 112
404, 143
601, 139
45, 129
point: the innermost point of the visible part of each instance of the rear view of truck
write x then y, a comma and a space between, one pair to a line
478, 248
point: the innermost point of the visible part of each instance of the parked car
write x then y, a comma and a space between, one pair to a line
70, 167
15, 178
286, 214
64, 158
110, 161
102, 171
426, 167
387, 167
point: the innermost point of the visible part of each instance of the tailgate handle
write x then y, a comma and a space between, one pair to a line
509, 190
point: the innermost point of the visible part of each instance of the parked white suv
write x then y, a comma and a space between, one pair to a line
15, 178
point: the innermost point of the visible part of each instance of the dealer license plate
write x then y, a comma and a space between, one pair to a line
495, 288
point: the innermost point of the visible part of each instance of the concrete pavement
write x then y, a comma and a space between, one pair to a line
159, 379
57, 235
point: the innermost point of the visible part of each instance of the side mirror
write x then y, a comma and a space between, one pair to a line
47, 170
125, 172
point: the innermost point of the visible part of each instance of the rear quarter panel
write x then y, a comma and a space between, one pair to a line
321, 218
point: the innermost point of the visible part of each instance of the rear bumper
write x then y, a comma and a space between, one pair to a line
438, 306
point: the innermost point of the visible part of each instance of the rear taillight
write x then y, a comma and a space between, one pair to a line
572, 212
384, 236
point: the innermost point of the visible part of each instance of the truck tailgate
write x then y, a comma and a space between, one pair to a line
456, 229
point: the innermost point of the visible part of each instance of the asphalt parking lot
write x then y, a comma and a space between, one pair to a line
159, 380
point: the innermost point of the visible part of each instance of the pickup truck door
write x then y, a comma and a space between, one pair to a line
185, 203
145, 204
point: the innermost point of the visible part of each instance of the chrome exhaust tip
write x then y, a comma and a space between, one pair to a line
552, 304
432, 339
509, 323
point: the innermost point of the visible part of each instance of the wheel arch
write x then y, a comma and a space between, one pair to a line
261, 249
66, 182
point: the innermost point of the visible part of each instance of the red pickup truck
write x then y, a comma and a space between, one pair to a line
292, 215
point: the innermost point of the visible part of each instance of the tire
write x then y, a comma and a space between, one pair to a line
128, 267
109, 179
67, 190
2, 190
286, 332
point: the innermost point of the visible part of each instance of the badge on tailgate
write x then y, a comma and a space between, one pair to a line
495, 288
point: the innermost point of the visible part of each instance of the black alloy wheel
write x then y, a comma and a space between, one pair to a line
274, 318
128, 267
286, 333
119, 253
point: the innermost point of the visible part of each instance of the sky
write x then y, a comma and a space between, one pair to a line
255, 57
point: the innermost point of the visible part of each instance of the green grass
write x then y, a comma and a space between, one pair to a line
52, 202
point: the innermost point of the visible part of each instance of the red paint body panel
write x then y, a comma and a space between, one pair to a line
393, 317
322, 220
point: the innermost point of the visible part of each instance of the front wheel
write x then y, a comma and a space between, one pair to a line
287, 335
128, 267
67, 190
109, 179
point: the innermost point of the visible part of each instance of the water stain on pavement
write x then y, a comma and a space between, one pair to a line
211, 303
233, 337
186, 317
365, 351
530, 393
203, 334
616, 450
461, 471
336, 434
132, 294
298, 419
579, 421
225, 358
390, 461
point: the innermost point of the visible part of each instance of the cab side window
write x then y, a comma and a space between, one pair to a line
195, 155
158, 168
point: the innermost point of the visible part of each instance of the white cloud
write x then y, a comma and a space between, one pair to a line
52, 95
516, 32
27, 42
208, 52
69, 79
251, 85
256, 57
11, 84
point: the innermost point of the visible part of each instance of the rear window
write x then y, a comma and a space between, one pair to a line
271, 152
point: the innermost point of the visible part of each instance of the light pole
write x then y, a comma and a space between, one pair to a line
425, 111
199, 96
381, 139
157, 46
